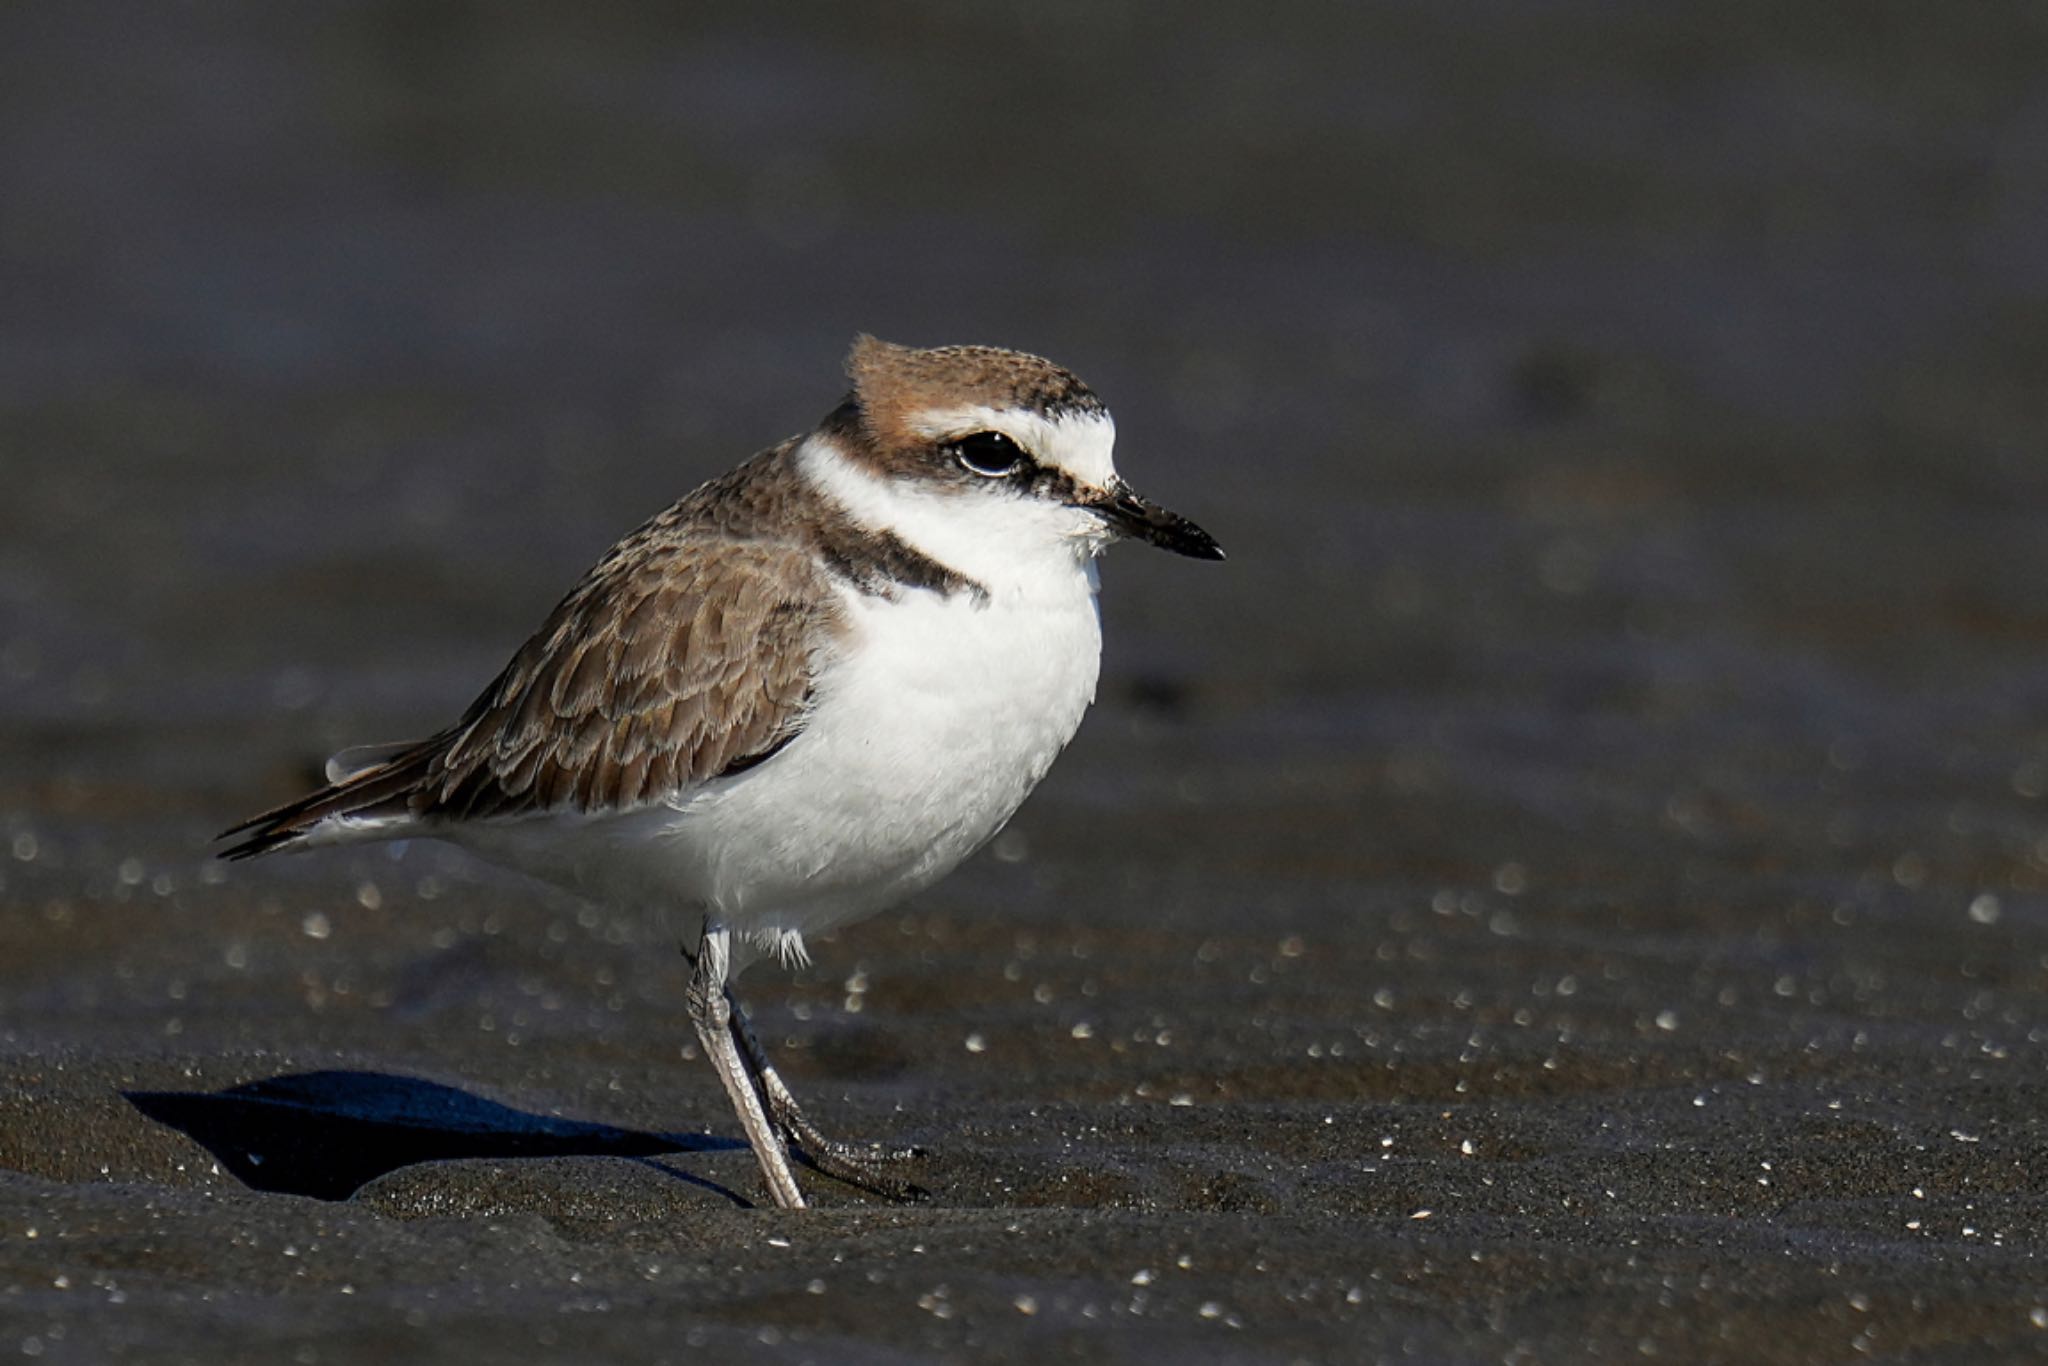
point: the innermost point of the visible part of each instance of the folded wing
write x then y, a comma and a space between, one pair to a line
679, 659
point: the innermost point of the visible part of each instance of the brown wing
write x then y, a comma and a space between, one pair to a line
672, 663
685, 655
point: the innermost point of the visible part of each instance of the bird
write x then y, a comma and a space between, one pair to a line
805, 691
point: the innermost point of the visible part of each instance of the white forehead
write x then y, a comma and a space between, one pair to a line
1079, 444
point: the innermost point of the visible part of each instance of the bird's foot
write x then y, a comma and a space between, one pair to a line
871, 1167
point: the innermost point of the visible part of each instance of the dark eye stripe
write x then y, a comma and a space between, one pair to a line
989, 454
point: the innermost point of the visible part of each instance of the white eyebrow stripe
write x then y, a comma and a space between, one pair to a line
1081, 445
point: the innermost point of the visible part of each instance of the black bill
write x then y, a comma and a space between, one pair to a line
1147, 521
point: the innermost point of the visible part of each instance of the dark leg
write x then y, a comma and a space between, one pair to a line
866, 1166
712, 1013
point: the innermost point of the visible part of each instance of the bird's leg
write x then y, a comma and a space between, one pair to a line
857, 1165
712, 1013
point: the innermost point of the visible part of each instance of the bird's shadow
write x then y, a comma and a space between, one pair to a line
328, 1134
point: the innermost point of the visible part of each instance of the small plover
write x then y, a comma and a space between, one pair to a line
805, 691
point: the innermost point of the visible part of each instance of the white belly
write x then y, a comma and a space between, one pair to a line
926, 735
943, 718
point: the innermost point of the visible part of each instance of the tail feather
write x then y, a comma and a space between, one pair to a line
377, 790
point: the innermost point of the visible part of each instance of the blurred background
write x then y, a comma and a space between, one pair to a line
1627, 424
1678, 364
340, 337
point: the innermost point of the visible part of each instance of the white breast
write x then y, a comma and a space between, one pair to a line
936, 723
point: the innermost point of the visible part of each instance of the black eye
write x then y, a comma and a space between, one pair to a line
989, 453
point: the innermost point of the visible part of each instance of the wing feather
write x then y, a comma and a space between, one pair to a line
651, 678
687, 654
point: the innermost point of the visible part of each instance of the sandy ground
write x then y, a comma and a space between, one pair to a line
1571, 888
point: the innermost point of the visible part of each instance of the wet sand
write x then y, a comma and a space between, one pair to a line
1571, 888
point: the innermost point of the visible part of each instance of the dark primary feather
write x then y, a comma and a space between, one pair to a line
684, 655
